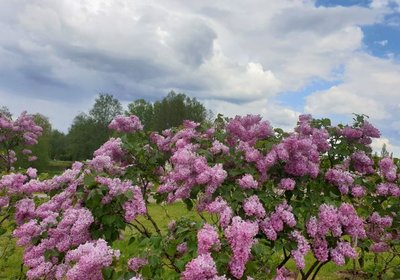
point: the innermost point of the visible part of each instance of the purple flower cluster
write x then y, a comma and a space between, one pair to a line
23, 131
128, 124
388, 189
388, 169
207, 240
135, 264
362, 134
240, 235
275, 222
224, 211
109, 157
339, 178
218, 147
248, 129
248, 182
302, 249
362, 163
201, 268
253, 207
89, 259
376, 231
343, 220
287, 184
189, 170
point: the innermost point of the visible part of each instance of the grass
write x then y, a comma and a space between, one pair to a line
10, 267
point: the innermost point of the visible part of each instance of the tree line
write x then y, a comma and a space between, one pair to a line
90, 130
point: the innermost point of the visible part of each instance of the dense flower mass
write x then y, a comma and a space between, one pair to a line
240, 235
126, 124
259, 194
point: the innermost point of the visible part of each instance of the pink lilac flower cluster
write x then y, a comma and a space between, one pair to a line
251, 154
287, 184
252, 206
71, 231
342, 250
182, 248
240, 235
362, 134
201, 268
300, 155
207, 239
282, 274
89, 259
20, 183
188, 170
302, 249
388, 169
135, 264
23, 131
109, 157
275, 222
339, 178
388, 189
167, 141
133, 207
128, 124
220, 206
362, 163
338, 221
247, 182
376, 231
318, 136
218, 147
248, 129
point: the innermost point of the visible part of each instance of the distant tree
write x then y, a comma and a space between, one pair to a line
88, 132
105, 108
384, 151
144, 110
171, 111
58, 146
4, 111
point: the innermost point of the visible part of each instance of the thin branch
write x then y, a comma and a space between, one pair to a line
310, 270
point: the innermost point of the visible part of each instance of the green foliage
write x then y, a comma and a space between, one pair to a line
89, 132
169, 112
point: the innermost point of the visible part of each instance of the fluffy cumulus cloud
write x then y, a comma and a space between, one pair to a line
237, 57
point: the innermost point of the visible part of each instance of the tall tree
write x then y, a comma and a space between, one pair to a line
171, 111
144, 110
89, 132
58, 146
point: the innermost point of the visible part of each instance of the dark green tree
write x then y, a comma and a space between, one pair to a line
144, 110
88, 132
171, 111
58, 146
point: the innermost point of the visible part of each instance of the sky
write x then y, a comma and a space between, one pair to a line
279, 59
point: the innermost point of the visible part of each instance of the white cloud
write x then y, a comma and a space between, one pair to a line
54, 53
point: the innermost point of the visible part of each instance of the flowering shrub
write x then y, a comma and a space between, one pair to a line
265, 197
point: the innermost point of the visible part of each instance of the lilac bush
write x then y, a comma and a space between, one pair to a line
265, 197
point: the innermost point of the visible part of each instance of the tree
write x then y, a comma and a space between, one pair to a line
88, 132
105, 108
168, 112
143, 110
58, 146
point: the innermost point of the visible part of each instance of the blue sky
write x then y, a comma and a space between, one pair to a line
274, 58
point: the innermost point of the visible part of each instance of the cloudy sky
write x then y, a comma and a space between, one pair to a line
275, 58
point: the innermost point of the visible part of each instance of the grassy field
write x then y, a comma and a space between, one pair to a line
10, 267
